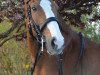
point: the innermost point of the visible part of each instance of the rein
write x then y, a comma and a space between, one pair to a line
41, 39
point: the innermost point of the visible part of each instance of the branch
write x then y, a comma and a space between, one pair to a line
8, 38
15, 25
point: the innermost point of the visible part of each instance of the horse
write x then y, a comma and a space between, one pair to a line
46, 30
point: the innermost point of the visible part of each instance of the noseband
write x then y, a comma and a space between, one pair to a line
41, 39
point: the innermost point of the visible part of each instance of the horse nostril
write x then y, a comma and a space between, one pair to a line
53, 43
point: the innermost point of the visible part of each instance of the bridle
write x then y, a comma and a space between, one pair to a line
40, 38
35, 26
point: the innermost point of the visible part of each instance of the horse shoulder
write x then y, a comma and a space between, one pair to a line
90, 45
92, 50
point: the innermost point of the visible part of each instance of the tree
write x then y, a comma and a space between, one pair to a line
13, 11
70, 10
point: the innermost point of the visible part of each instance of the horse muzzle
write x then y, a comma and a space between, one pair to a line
52, 47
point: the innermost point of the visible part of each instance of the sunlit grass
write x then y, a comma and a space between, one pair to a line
14, 58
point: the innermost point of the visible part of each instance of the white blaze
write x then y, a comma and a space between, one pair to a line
52, 26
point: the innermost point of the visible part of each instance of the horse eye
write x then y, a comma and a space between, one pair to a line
34, 8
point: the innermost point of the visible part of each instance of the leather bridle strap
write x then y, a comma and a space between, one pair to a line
82, 50
38, 56
40, 30
32, 24
82, 46
48, 21
59, 64
39, 52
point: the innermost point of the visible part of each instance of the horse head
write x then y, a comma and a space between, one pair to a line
44, 14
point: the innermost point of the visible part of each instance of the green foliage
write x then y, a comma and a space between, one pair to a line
4, 26
92, 28
91, 31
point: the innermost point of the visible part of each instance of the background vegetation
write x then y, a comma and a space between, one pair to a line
14, 58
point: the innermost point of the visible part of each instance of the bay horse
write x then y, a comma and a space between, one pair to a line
45, 26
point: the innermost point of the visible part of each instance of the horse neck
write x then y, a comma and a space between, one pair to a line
72, 39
